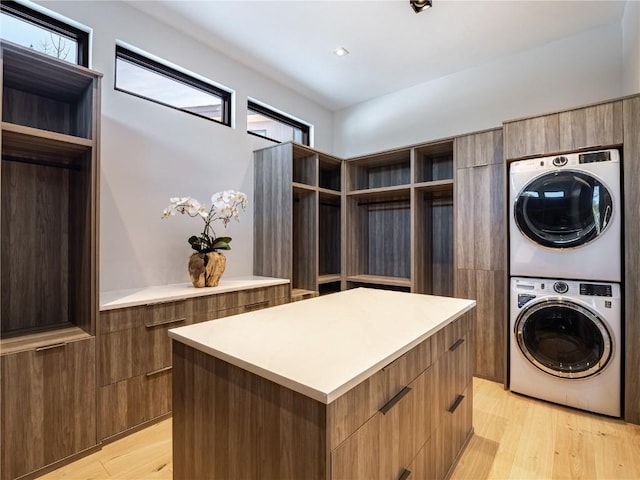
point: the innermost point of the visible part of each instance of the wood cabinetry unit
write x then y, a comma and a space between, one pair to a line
49, 207
587, 127
297, 217
413, 414
631, 175
481, 243
47, 399
134, 351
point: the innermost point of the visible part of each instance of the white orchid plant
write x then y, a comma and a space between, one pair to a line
224, 206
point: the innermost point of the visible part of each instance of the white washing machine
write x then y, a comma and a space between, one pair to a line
565, 217
565, 340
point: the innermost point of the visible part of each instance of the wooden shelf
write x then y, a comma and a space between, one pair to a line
380, 280
303, 186
327, 191
329, 278
396, 189
435, 186
42, 145
37, 340
302, 294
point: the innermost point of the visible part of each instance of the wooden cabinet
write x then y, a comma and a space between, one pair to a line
631, 175
424, 412
48, 251
481, 225
134, 352
48, 405
588, 127
414, 414
297, 217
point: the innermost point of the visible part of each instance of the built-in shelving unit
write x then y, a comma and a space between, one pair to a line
49, 206
298, 213
399, 227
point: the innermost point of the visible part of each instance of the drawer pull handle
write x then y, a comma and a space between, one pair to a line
257, 304
405, 474
50, 347
459, 342
160, 370
455, 405
391, 403
166, 322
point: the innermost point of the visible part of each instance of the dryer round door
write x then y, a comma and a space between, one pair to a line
563, 209
563, 338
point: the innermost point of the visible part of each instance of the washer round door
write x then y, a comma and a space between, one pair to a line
563, 209
563, 338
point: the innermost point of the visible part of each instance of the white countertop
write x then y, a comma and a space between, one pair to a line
178, 291
323, 347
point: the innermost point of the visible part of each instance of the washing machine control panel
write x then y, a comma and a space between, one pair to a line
560, 287
592, 157
593, 289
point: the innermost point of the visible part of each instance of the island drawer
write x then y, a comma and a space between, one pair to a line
350, 411
225, 304
126, 404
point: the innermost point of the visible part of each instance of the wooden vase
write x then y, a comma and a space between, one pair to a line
205, 269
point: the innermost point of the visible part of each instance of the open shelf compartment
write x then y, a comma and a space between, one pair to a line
380, 235
434, 162
384, 170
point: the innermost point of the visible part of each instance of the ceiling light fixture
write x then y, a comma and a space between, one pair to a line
341, 51
420, 5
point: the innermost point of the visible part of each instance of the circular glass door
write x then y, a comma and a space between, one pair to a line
563, 338
563, 209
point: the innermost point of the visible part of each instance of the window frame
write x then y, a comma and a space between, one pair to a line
47, 22
142, 61
280, 117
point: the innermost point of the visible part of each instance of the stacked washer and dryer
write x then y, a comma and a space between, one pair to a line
565, 272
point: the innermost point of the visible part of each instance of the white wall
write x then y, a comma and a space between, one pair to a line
150, 152
581, 69
631, 47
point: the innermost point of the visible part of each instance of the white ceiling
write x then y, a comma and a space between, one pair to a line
391, 46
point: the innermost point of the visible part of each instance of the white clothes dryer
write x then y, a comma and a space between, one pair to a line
565, 216
565, 343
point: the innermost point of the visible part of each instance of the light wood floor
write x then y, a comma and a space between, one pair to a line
515, 438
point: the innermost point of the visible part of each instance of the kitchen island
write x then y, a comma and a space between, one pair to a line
359, 384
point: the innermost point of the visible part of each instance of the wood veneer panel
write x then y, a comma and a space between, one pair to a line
48, 405
329, 217
131, 402
532, 136
304, 240
489, 236
253, 429
479, 149
273, 212
35, 246
631, 174
599, 125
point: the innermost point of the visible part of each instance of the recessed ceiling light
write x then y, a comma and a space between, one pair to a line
341, 51
420, 5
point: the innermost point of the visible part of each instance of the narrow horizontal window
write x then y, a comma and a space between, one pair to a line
267, 123
30, 28
151, 80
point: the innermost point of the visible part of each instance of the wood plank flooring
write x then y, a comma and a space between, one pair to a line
515, 438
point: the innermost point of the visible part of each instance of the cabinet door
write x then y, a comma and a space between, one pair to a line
597, 126
532, 136
481, 218
48, 405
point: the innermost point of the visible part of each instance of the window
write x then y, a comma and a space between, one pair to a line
30, 28
146, 78
267, 123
